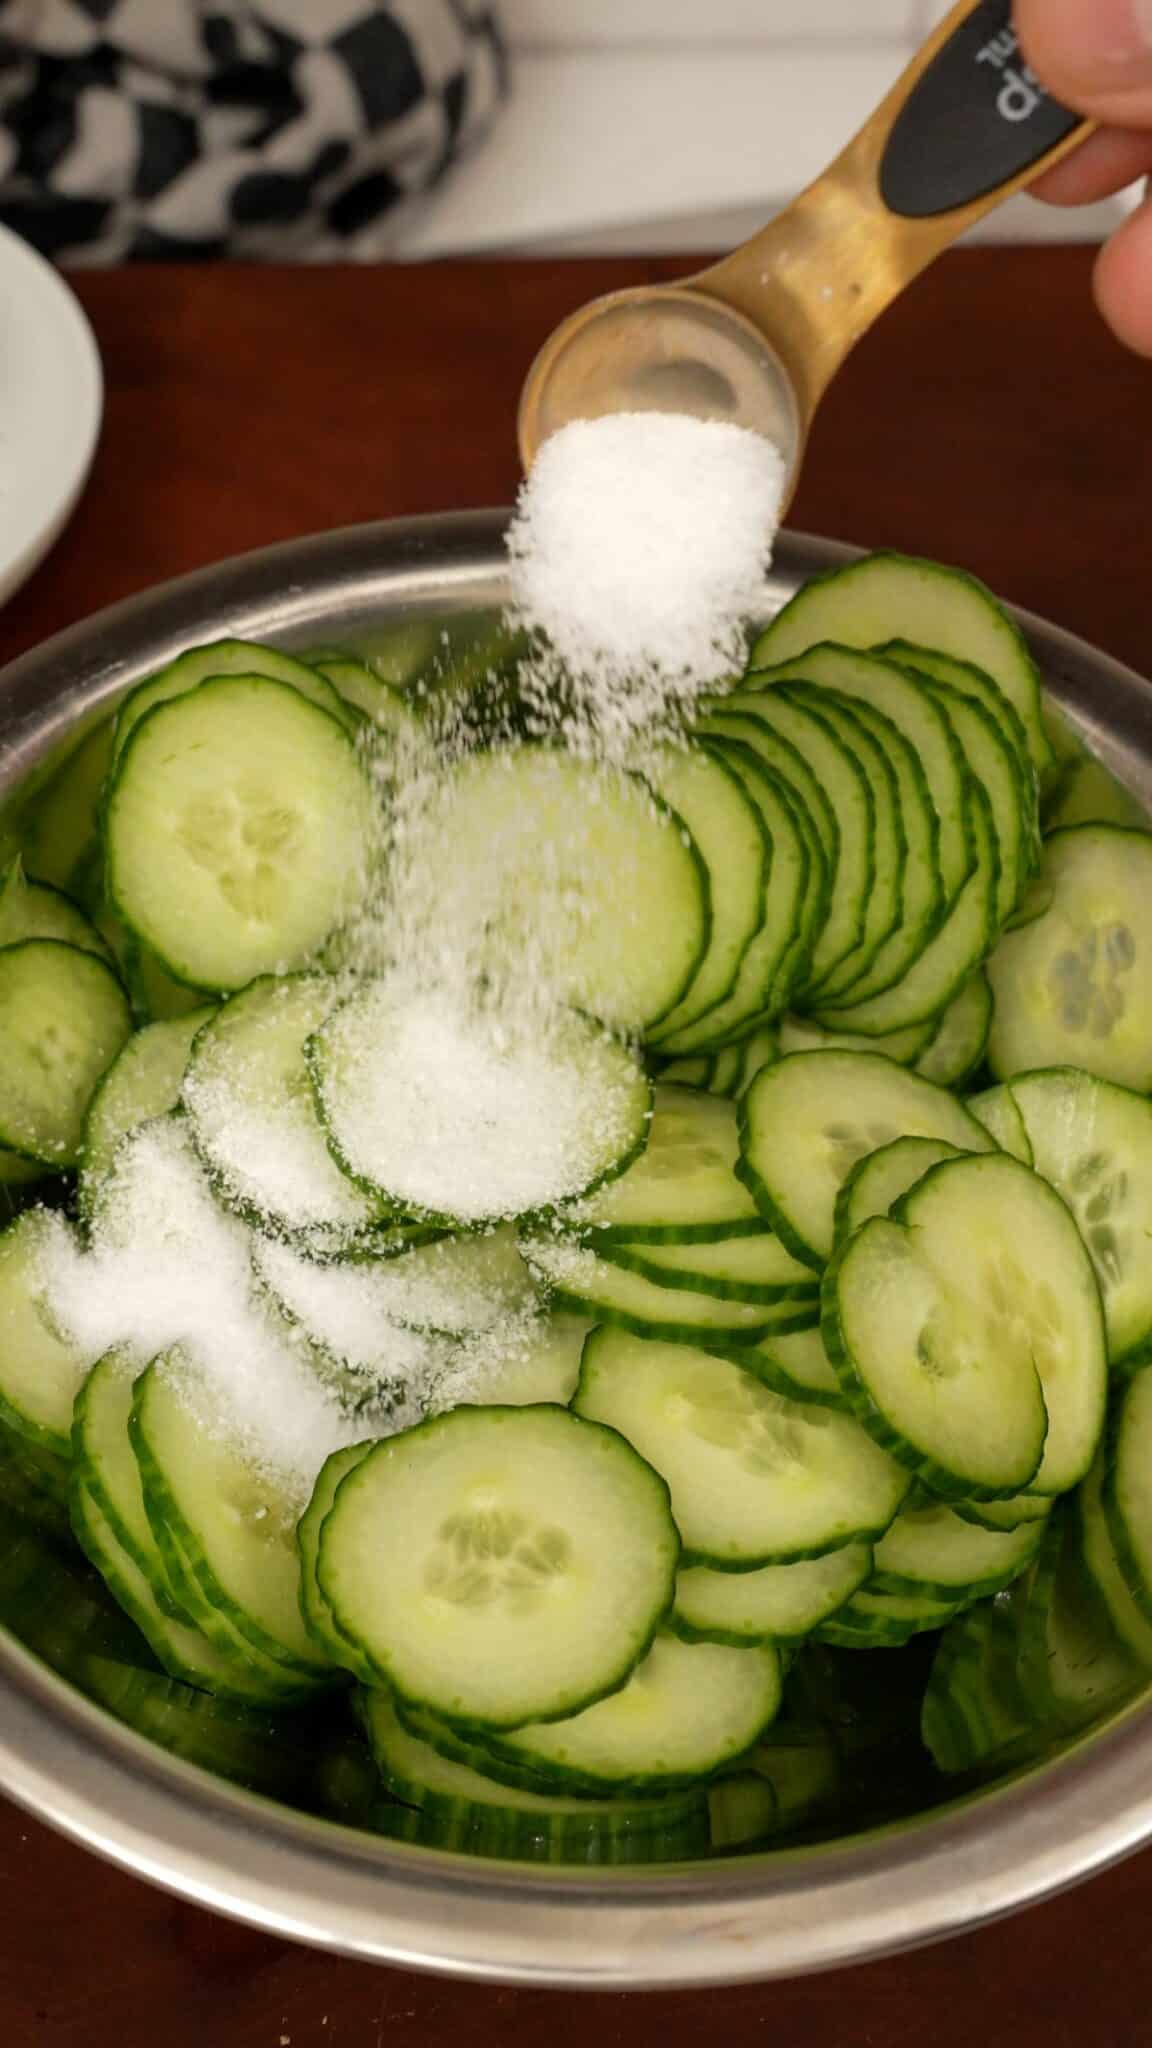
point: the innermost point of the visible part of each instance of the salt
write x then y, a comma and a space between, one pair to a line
638, 549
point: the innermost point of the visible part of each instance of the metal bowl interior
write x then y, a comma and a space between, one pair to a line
113, 1756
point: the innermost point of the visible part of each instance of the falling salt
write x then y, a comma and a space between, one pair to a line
638, 550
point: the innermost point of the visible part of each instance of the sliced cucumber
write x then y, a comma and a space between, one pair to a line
63, 1019
1074, 986
34, 910
794, 1363
936, 754
1125, 1495
580, 1279
1071, 1664
59, 832
698, 785
531, 1557
958, 1042
736, 1269
460, 1807
576, 866
932, 1550
105, 1465
792, 910
435, 1147
1126, 1613
143, 1081
807, 1120
975, 683
683, 1187
40, 1370
889, 596
380, 701
689, 1710
222, 658
228, 1525
1010, 1513
1010, 787
542, 1365
781, 1603
804, 1034
1091, 796
249, 1102
182, 1650
1093, 1141
953, 953
755, 1479
235, 830
997, 1110
879, 1180
975, 1298
318, 1617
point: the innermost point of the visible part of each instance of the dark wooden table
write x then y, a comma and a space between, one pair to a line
991, 422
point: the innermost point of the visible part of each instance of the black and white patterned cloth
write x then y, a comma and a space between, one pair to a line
299, 130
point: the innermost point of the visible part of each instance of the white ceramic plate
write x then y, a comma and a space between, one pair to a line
51, 399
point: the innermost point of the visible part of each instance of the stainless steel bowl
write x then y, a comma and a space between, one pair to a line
751, 1916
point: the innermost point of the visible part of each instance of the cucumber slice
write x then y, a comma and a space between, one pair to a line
683, 1187
937, 760
742, 1809
229, 1525
938, 974
1071, 1664
223, 658
806, 1121
380, 701
181, 1649
796, 1364
542, 1366
735, 1269
1093, 1142
803, 1034
427, 1109
143, 1081
887, 596
1074, 986
725, 823
689, 1710
974, 1706
717, 1435
891, 1619
848, 791
34, 910
1009, 786
781, 1603
1091, 796
879, 1180
975, 683
920, 899
60, 831
1098, 1550
1125, 1495
318, 1617
63, 1019
156, 995
795, 807
975, 1298
958, 1042
40, 1371
235, 830
531, 1559
250, 1107
998, 1111
105, 1465
575, 866
1011, 1513
931, 1550
579, 1279
884, 909
792, 909
461, 1807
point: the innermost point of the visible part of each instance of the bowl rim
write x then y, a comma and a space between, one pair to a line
780, 1912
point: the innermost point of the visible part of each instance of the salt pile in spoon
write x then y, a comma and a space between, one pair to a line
638, 549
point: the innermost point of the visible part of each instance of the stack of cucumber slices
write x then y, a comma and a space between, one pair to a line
800, 1307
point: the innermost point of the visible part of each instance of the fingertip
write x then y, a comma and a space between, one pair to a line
1124, 281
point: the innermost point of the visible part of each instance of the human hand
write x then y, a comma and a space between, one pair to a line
1096, 56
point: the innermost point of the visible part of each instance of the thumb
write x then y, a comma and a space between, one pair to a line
1096, 55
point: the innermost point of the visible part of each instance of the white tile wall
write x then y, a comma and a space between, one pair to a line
641, 125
